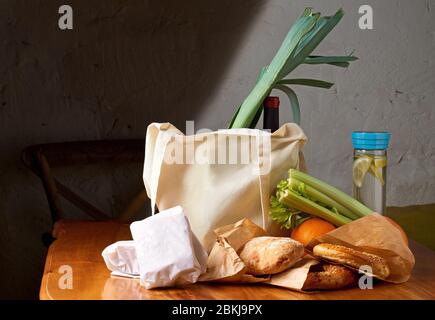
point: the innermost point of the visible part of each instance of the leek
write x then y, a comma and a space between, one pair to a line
302, 194
304, 36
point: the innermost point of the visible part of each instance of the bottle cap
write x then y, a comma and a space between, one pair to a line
271, 102
370, 140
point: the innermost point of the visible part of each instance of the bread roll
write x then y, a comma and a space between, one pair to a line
270, 255
329, 277
353, 258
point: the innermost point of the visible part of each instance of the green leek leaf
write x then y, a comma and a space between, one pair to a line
329, 59
311, 40
254, 100
234, 117
303, 37
260, 110
294, 102
307, 82
339, 64
256, 118
339, 61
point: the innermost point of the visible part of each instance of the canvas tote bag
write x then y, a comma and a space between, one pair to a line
219, 177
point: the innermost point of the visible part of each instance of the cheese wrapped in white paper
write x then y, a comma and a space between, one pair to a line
120, 258
168, 252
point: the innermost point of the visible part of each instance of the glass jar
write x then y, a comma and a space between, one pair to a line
369, 169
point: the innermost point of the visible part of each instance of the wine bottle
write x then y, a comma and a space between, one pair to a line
271, 113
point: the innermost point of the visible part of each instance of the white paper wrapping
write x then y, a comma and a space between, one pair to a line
120, 258
168, 253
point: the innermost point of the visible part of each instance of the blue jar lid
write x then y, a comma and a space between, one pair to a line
370, 140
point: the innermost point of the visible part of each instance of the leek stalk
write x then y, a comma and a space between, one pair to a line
303, 37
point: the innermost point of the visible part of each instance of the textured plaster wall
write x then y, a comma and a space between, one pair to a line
128, 63
390, 88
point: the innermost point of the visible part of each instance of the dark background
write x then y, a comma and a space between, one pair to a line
125, 64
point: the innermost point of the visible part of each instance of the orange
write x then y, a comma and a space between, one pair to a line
310, 229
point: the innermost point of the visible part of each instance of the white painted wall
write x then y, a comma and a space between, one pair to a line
390, 88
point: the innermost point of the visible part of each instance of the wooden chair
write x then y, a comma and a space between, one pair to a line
43, 157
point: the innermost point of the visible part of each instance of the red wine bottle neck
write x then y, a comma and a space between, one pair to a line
271, 113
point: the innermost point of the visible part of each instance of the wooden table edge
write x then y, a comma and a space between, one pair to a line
43, 290
44, 293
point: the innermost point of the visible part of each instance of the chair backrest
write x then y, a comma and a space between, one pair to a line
41, 158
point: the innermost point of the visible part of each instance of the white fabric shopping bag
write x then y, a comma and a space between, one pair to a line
219, 177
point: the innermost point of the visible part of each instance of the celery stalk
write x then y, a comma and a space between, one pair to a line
296, 201
301, 195
335, 194
317, 196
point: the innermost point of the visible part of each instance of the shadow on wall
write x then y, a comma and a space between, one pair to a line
125, 64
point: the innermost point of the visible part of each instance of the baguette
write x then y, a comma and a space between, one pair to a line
353, 258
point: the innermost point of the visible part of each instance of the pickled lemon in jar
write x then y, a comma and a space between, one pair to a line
369, 168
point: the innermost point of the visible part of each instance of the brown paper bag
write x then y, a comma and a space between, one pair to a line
295, 277
374, 234
224, 264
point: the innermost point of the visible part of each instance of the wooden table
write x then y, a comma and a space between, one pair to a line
79, 245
